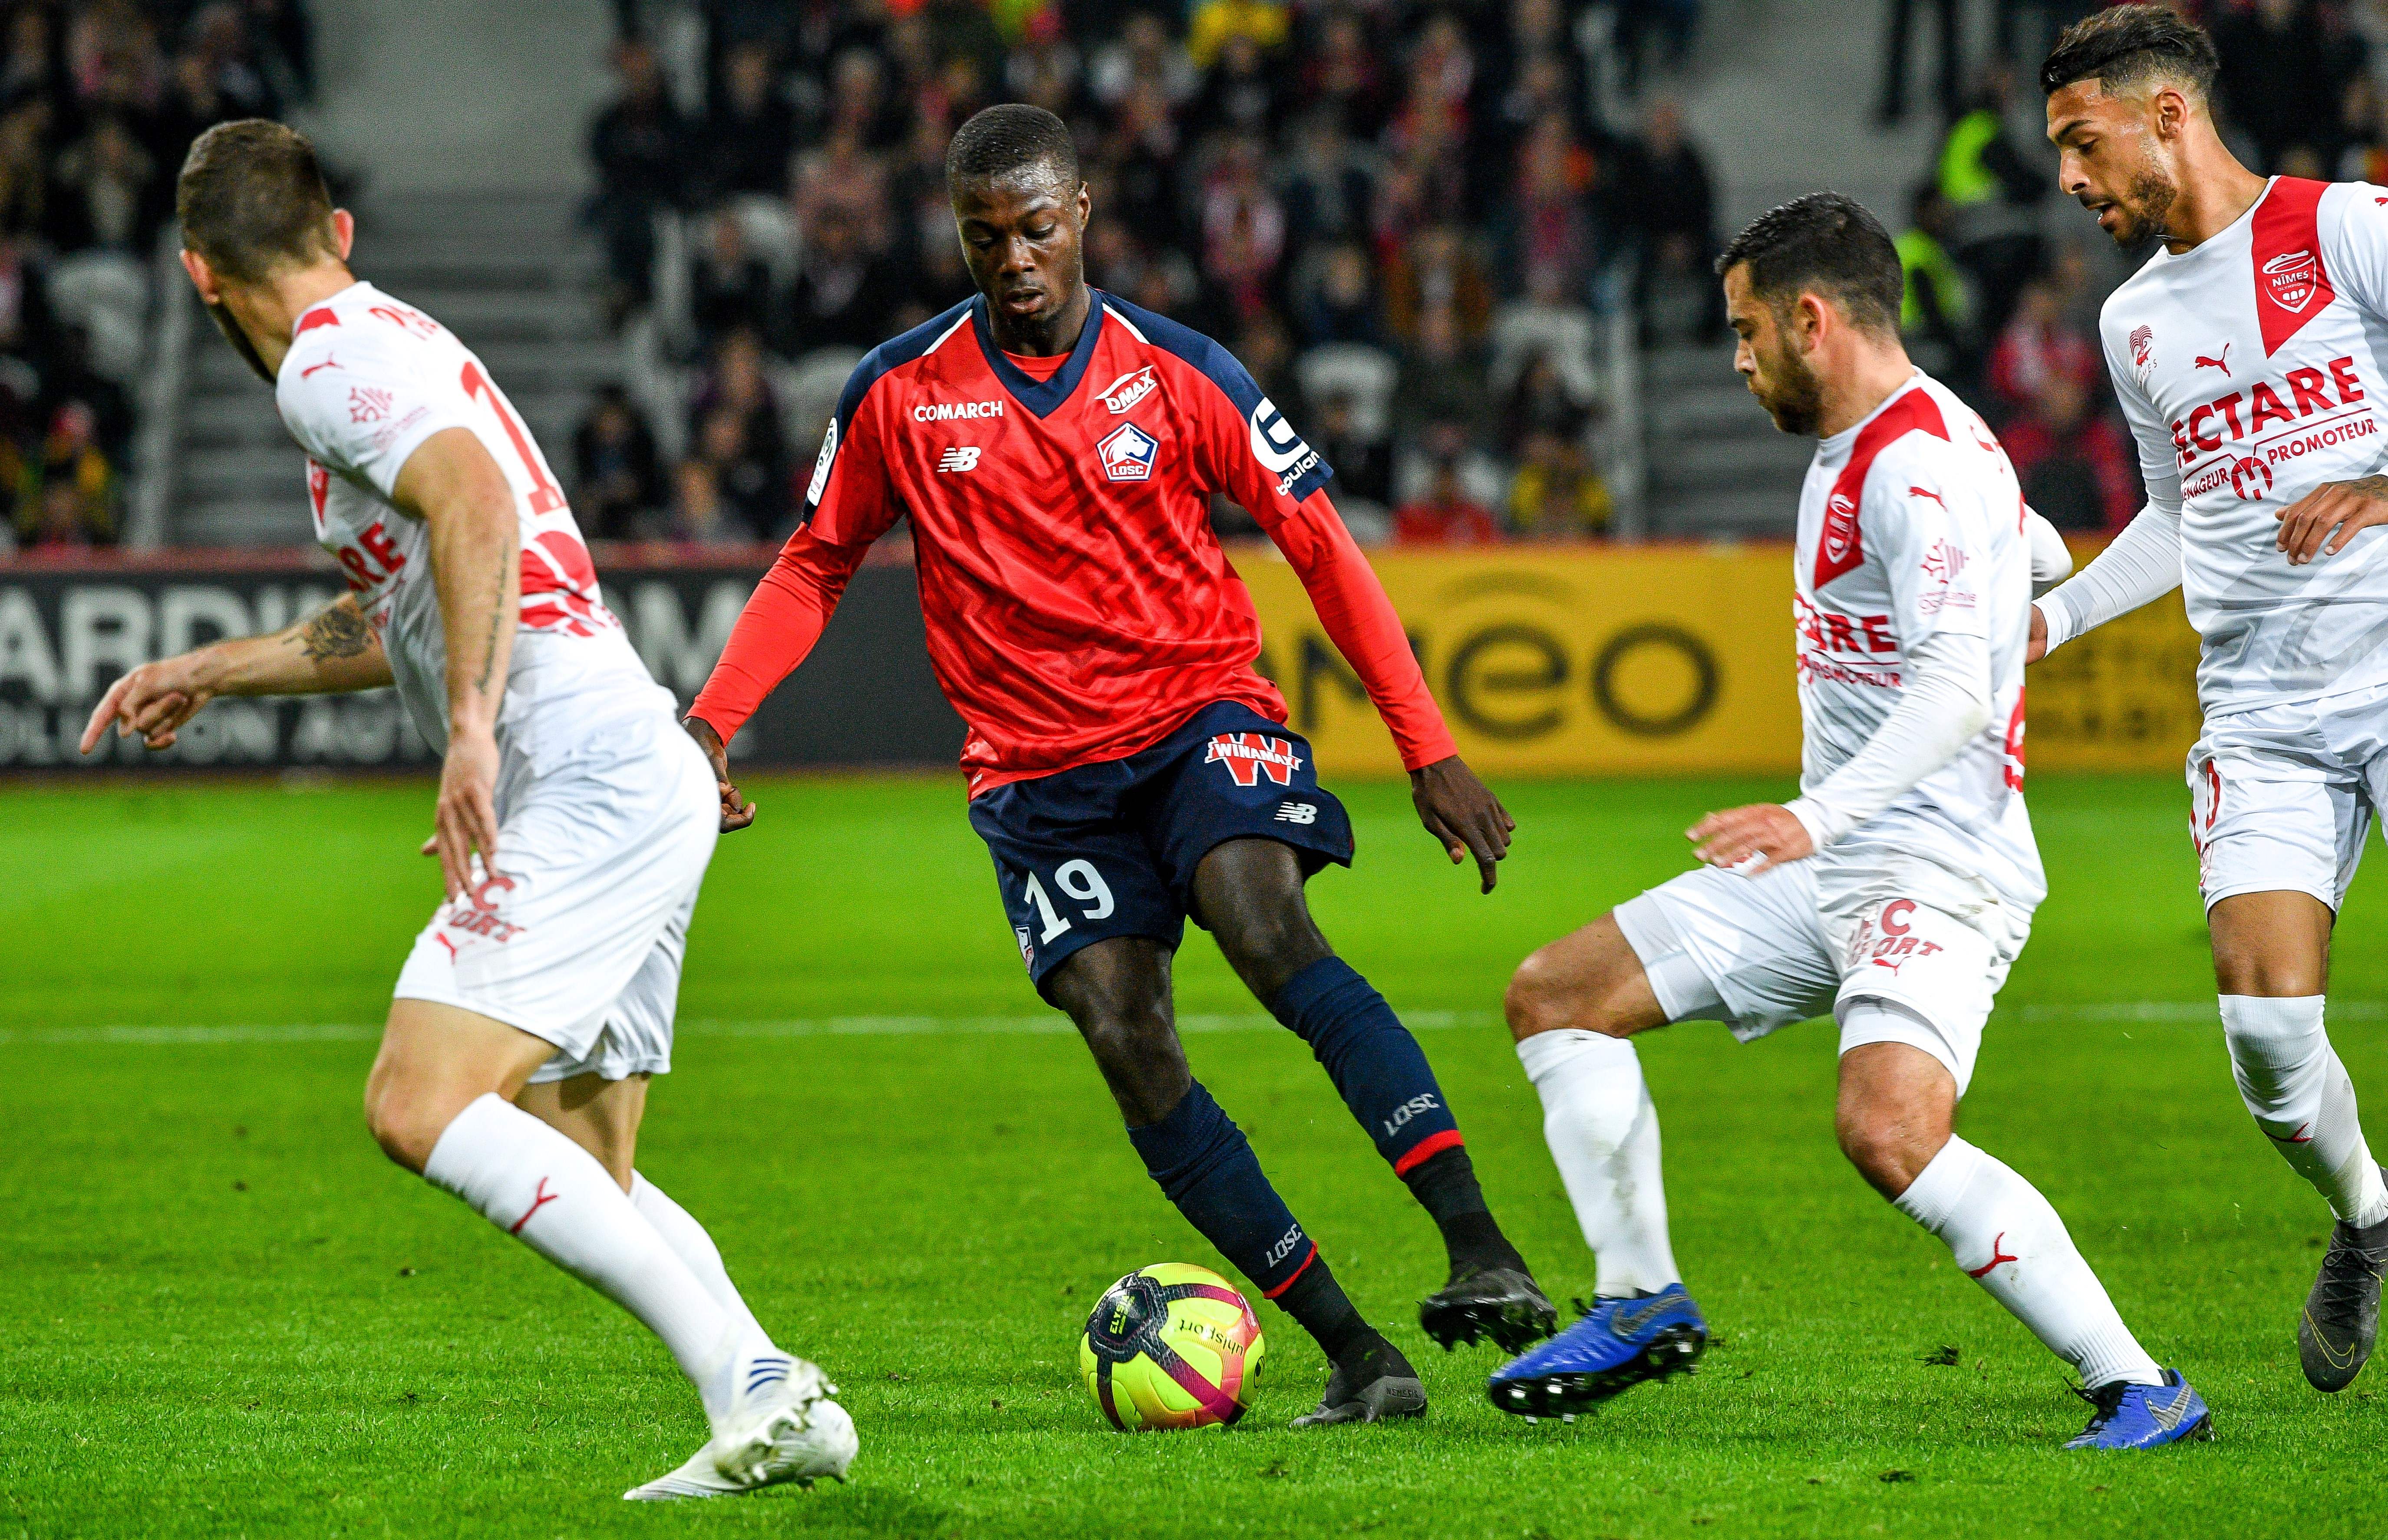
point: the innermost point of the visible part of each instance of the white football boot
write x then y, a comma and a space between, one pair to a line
781, 1427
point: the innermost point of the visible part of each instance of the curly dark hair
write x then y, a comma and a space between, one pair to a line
2127, 46
1828, 243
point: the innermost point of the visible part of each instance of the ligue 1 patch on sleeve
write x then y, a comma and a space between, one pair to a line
1128, 453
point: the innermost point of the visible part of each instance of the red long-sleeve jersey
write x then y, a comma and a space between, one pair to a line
1078, 605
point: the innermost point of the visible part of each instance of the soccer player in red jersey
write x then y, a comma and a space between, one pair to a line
1056, 449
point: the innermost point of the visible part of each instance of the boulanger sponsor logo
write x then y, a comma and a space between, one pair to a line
956, 412
1130, 388
821, 464
1276, 446
1128, 453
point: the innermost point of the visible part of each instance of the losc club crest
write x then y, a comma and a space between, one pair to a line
2293, 277
1128, 453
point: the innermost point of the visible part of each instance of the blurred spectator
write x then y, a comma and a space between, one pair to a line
2279, 59
1890, 107
1242, 92
2039, 345
736, 427
639, 144
1541, 403
1936, 314
1344, 75
104, 194
844, 290
68, 493
1993, 191
1437, 271
729, 287
618, 478
1339, 303
2074, 466
1364, 465
1660, 28
1556, 494
1442, 377
751, 131
1243, 231
1445, 515
1218, 25
68, 379
698, 513
1326, 184
1550, 234
1664, 187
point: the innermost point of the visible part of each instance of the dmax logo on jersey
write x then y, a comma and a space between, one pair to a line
1889, 941
1129, 388
1249, 755
1128, 453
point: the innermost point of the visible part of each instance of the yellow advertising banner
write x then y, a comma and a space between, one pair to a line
1655, 659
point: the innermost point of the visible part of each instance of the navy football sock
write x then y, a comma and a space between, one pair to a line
1386, 1082
1376, 1063
1206, 1166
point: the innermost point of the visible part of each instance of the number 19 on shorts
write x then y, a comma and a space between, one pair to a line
1082, 886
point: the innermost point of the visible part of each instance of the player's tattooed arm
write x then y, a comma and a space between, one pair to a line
2347, 507
452, 483
332, 650
337, 630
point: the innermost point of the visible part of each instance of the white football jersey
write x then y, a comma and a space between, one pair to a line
1911, 524
2250, 368
366, 381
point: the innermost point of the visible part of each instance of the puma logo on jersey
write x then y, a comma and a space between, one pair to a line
962, 457
2223, 363
329, 362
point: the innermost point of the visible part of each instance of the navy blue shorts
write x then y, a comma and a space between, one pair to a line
1109, 849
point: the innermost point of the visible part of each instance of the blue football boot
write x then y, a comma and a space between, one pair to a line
1619, 1344
2141, 1417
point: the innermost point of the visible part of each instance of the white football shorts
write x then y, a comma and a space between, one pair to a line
2281, 797
1808, 937
578, 935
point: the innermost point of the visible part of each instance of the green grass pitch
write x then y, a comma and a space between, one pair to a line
223, 1314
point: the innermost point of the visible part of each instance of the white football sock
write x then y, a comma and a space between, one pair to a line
2292, 1082
1604, 1134
692, 1246
548, 1193
2008, 1237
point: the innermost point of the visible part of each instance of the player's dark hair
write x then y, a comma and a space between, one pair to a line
251, 199
2123, 47
1826, 243
1004, 141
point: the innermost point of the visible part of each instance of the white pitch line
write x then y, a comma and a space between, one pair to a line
2153, 1012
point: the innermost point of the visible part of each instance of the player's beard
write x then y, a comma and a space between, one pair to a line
1793, 396
240, 340
2144, 208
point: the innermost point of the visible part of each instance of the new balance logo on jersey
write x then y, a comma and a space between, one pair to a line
1249, 755
1129, 388
962, 457
952, 411
1128, 453
1304, 814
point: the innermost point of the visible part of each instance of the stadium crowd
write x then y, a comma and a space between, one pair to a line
98, 101
1406, 219
2007, 312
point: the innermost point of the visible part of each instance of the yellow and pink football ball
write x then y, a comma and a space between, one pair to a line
1172, 1346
